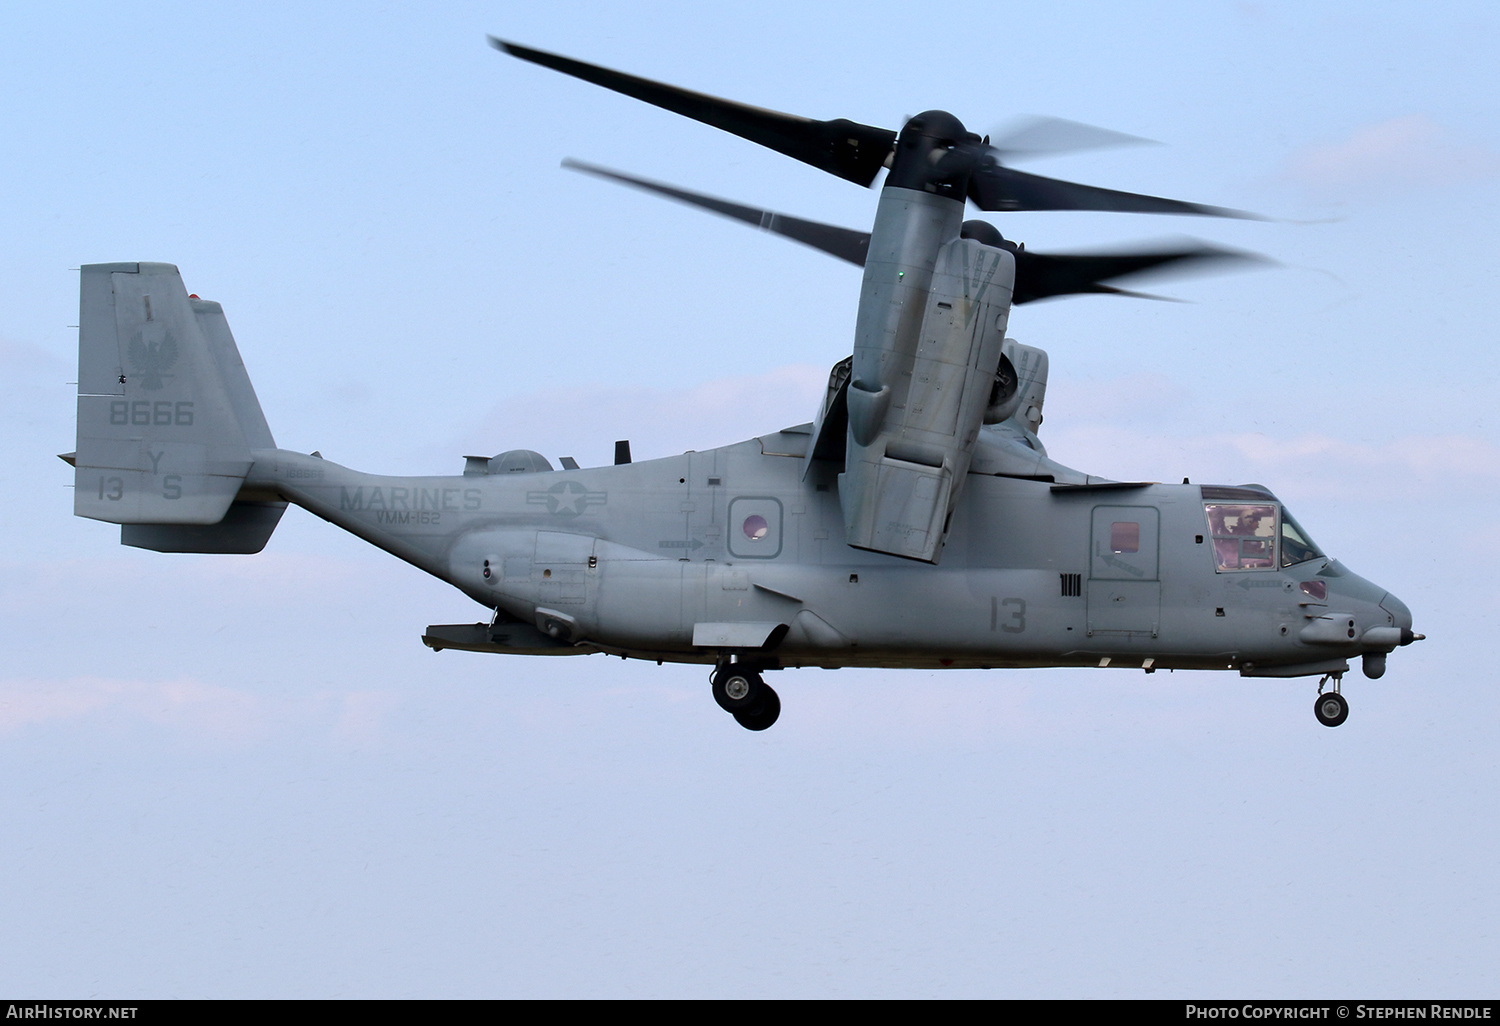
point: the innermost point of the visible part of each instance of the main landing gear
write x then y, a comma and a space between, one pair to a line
741, 693
1331, 709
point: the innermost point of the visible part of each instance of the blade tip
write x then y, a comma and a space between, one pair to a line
1239, 215
569, 164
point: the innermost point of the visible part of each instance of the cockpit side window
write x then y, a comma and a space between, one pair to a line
1244, 535
1296, 546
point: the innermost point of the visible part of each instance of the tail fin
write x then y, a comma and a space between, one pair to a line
166, 416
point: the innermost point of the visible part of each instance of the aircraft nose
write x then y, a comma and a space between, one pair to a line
1387, 638
1398, 610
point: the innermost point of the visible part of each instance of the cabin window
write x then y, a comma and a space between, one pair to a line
1296, 546
1244, 535
755, 527
1125, 536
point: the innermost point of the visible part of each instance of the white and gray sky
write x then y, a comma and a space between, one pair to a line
245, 776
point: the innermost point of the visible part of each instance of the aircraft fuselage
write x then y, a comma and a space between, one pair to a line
731, 550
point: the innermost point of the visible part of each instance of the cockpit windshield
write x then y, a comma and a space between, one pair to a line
1244, 536
1296, 546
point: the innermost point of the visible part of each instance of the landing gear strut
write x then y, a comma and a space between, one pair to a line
1331, 709
741, 693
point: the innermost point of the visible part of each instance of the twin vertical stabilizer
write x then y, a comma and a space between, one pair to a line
167, 418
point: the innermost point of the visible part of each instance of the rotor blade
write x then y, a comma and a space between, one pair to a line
844, 243
996, 187
1043, 136
841, 147
1112, 291
1042, 275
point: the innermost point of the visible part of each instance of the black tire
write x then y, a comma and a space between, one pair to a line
738, 690
763, 715
1331, 709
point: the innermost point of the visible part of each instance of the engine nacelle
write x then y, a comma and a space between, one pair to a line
912, 437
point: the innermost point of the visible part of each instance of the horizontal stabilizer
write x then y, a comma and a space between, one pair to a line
245, 529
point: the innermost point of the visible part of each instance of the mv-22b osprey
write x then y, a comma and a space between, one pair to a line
917, 521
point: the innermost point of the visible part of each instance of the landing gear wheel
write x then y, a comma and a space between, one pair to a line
763, 715
1331, 709
738, 691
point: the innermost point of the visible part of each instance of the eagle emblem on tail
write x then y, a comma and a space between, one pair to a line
152, 358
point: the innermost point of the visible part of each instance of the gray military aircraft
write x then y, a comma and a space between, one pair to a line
916, 521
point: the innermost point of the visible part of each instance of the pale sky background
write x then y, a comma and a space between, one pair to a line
245, 776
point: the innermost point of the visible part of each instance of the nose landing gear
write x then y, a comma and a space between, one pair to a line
741, 693
1331, 709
